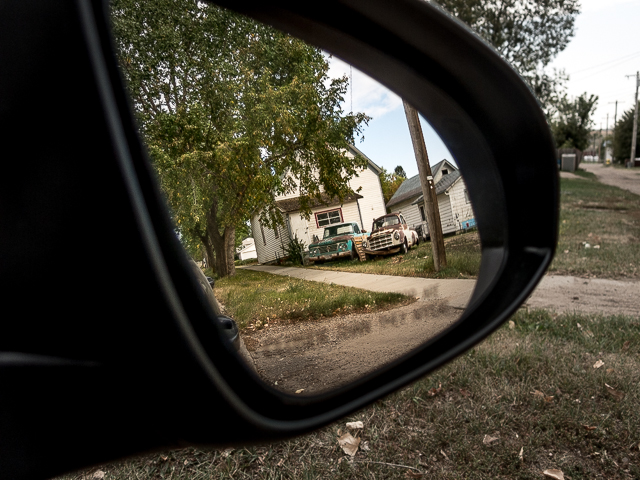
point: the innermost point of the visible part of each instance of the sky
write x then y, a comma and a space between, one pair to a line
604, 49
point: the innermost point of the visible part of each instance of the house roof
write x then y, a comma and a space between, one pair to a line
411, 186
355, 151
443, 185
293, 204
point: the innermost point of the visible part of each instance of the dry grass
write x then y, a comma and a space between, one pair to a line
532, 387
255, 299
463, 260
599, 230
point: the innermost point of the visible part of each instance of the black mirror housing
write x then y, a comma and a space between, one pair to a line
78, 194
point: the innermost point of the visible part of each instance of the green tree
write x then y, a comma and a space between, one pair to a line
233, 113
527, 33
399, 172
390, 182
622, 137
572, 123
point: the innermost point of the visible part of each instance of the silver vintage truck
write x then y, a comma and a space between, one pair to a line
390, 234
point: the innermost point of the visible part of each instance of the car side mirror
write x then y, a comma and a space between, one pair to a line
78, 196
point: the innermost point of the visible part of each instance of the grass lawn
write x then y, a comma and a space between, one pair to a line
544, 392
529, 398
463, 260
599, 230
599, 236
257, 299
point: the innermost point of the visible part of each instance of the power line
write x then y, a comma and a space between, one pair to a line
633, 55
604, 70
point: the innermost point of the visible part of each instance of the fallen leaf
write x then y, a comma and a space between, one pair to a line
300, 391
598, 364
610, 370
444, 455
464, 393
512, 324
227, 452
589, 427
98, 475
617, 394
357, 424
280, 463
521, 454
539, 394
625, 346
552, 473
349, 444
365, 446
488, 439
434, 391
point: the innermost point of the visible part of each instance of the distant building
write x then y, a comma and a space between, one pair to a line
361, 207
247, 250
456, 212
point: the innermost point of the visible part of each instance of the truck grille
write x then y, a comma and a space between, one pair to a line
326, 248
380, 241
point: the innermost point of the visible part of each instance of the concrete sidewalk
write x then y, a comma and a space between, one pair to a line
455, 292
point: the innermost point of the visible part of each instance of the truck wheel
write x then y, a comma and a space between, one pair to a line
404, 248
354, 254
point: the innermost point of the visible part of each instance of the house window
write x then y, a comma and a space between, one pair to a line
466, 196
264, 239
327, 218
276, 231
424, 219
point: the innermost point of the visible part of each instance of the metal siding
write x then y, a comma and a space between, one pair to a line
267, 253
459, 206
372, 204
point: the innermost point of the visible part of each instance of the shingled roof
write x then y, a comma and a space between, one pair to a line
293, 204
411, 187
443, 185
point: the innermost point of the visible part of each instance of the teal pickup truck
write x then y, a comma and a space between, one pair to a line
337, 242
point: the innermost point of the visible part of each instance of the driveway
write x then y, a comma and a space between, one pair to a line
625, 178
454, 293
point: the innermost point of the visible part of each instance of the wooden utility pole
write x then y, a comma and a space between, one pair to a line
428, 188
635, 124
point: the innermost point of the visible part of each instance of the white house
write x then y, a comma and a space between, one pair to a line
365, 203
455, 208
247, 249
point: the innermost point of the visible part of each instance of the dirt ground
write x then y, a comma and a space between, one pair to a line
314, 356
319, 355
625, 178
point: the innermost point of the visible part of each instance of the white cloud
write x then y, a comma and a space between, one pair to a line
368, 95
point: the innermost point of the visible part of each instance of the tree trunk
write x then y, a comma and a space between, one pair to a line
428, 188
208, 252
223, 244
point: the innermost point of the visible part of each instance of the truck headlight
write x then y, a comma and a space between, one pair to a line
396, 235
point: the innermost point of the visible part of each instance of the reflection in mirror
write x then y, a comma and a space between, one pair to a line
304, 169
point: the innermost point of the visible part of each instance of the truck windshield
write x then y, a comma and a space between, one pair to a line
337, 230
385, 222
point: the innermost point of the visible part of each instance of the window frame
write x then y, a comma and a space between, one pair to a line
339, 210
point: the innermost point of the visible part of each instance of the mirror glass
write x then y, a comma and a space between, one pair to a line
293, 182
